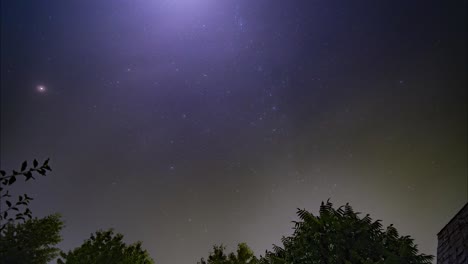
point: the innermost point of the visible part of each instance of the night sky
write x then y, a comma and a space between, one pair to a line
188, 123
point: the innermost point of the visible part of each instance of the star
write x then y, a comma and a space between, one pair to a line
41, 88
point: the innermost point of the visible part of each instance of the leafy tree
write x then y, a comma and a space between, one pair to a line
32, 241
23, 200
338, 236
244, 256
105, 247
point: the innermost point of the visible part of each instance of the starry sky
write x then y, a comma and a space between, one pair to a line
187, 123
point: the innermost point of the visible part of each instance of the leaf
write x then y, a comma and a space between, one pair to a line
3, 173
12, 180
35, 163
28, 175
8, 203
24, 165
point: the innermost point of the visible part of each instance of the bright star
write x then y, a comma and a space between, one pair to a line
41, 88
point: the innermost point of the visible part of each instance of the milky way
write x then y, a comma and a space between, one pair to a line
191, 123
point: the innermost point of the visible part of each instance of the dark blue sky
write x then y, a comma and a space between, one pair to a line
186, 123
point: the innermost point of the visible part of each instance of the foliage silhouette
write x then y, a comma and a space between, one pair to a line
105, 247
32, 241
335, 236
244, 256
338, 236
23, 200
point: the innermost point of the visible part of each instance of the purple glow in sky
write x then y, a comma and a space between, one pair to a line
186, 123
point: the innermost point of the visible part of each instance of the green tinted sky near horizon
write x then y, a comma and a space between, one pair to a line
188, 123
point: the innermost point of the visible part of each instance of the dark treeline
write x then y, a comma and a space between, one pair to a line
334, 236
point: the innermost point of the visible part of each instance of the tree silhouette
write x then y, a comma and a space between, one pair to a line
338, 236
105, 247
23, 200
244, 256
32, 241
